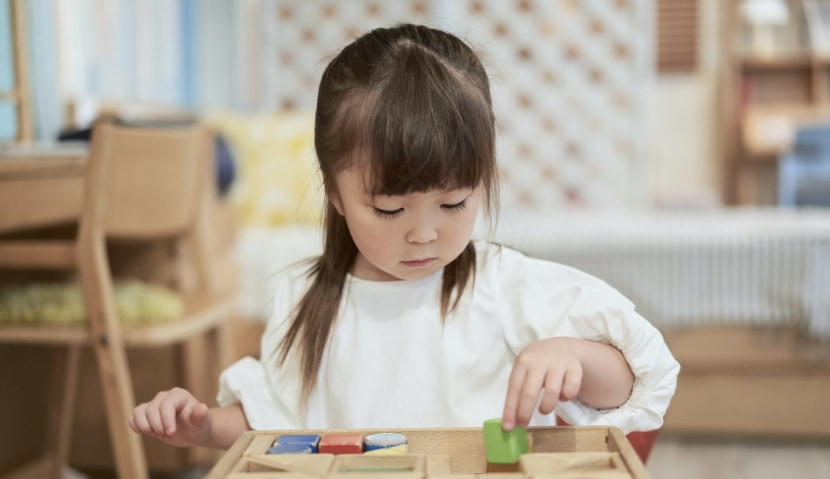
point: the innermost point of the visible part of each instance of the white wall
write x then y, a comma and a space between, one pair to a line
685, 164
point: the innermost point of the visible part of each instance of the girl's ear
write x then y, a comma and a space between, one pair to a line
334, 198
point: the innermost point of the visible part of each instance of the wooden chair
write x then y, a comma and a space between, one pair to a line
139, 184
804, 172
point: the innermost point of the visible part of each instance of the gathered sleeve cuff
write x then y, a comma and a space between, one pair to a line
655, 370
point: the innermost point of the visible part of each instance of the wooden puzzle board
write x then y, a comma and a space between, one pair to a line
555, 453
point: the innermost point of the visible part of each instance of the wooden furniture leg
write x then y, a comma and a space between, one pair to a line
68, 395
111, 359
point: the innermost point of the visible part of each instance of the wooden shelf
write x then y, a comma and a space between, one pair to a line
767, 129
766, 98
790, 61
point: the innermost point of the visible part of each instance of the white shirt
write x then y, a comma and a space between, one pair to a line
392, 363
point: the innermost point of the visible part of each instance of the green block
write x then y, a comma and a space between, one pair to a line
503, 447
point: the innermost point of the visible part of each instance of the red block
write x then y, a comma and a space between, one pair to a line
341, 444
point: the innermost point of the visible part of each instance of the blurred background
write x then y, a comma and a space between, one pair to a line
678, 149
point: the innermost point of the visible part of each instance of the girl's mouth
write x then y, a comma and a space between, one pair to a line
418, 263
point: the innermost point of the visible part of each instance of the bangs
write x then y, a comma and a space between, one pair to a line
429, 129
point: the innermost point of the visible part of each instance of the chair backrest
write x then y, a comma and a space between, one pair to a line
147, 183
804, 172
812, 142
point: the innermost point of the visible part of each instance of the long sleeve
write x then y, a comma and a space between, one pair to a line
539, 299
655, 369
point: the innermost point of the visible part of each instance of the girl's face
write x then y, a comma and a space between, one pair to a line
404, 237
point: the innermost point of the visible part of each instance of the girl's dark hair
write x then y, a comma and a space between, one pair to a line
411, 104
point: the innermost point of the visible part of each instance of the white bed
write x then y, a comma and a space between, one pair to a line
759, 266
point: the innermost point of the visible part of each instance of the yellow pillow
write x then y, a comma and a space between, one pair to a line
62, 304
277, 180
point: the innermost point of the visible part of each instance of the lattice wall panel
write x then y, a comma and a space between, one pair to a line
569, 80
569, 93
306, 34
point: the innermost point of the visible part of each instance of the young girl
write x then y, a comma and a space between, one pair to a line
404, 321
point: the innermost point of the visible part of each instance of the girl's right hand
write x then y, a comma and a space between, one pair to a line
175, 417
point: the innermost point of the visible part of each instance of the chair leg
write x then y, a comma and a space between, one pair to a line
197, 356
202, 359
119, 399
222, 339
61, 427
110, 353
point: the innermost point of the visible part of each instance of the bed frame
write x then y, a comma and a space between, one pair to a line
749, 382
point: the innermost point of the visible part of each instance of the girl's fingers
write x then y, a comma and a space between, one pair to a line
514, 390
161, 417
571, 383
550, 367
134, 424
168, 411
534, 381
551, 393
154, 420
140, 420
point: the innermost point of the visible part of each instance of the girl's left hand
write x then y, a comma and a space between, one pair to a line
550, 365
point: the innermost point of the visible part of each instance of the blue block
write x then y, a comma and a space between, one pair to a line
310, 440
290, 449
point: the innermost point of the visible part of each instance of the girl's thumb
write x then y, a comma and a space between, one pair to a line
198, 415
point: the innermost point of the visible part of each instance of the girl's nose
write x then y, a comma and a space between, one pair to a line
422, 232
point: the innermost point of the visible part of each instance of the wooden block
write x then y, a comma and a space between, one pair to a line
438, 464
542, 463
311, 464
290, 449
341, 444
270, 475
259, 445
378, 475
503, 447
383, 440
583, 475
388, 451
310, 440
380, 464
494, 468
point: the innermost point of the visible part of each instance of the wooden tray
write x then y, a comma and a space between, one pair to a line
555, 452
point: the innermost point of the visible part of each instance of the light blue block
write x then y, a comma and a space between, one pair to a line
310, 440
290, 449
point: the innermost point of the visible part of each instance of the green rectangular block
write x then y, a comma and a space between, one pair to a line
503, 447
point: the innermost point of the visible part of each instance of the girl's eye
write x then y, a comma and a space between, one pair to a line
386, 213
457, 206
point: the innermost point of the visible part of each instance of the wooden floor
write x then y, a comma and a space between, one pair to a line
682, 458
